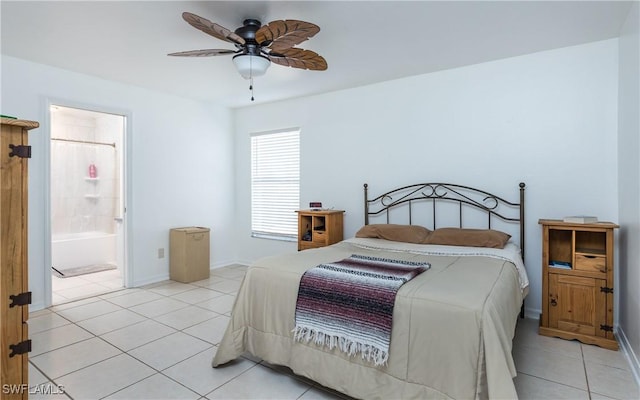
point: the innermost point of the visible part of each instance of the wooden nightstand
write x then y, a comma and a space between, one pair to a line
319, 228
577, 282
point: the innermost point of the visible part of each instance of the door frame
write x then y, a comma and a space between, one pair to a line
127, 278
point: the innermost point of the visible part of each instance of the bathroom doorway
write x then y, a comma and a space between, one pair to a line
87, 167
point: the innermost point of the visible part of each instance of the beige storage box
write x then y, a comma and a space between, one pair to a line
189, 254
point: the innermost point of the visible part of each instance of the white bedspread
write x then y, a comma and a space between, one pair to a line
452, 330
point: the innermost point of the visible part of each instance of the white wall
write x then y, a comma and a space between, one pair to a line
181, 154
548, 119
629, 184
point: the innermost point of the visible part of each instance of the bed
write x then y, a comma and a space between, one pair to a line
453, 325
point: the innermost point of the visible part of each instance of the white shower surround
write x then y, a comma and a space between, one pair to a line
83, 208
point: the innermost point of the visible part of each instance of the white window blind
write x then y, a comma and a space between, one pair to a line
275, 184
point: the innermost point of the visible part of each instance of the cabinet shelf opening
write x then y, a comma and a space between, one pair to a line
590, 252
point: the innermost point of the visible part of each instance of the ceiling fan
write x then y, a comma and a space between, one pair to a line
258, 45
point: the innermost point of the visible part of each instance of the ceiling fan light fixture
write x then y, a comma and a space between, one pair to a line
249, 66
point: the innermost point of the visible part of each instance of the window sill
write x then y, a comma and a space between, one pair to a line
273, 237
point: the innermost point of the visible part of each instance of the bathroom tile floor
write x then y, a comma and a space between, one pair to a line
158, 342
83, 286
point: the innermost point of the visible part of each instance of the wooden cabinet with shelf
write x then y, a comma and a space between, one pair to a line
577, 282
319, 228
14, 295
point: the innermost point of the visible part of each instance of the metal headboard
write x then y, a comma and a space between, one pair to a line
465, 196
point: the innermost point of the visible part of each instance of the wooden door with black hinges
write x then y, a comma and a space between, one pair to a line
14, 295
576, 304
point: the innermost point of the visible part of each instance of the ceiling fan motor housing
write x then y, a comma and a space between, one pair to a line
248, 33
249, 29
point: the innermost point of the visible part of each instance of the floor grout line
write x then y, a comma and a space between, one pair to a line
584, 367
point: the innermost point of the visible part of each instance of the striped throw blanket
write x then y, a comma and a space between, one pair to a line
349, 304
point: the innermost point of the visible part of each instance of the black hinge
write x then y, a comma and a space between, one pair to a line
20, 150
21, 299
606, 289
607, 328
20, 348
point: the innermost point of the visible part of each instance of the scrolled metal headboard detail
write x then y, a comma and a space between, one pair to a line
464, 196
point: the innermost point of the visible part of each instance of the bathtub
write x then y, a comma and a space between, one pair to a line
83, 249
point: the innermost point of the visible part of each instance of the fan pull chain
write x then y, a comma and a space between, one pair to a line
251, 76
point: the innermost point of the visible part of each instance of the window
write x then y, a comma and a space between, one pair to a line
275, 184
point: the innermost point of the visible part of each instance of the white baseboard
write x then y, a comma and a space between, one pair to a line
632, 357
243, 262
222, 264
533, 313
36, 306
150, 280
164, 277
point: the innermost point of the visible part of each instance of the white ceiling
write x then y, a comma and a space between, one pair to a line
363, 41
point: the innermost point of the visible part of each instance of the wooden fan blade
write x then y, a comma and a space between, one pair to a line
203, 53
211, 28
279, 35
299, 58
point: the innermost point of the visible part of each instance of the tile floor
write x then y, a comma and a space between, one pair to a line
157, 342
83, 286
